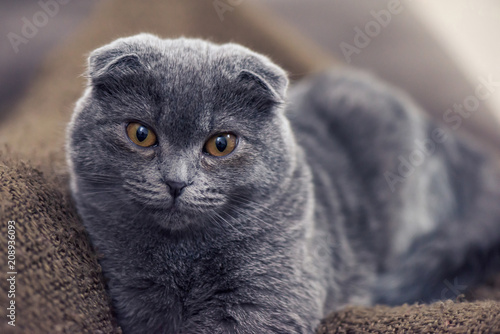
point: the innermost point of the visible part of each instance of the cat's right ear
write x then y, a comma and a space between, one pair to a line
108, 69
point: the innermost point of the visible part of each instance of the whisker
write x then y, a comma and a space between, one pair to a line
144, 196
228, 222
141, 187
254, 204
99, 180
138, 213
100, 175
238, 210
100, 192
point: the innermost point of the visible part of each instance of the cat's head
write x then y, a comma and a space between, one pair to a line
179, 131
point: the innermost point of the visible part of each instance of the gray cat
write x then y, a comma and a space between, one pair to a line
222, 205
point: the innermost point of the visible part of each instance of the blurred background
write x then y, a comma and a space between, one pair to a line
20, 56
443, 53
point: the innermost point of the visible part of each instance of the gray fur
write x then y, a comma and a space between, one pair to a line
298, 221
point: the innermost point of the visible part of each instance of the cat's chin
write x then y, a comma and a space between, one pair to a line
175, 219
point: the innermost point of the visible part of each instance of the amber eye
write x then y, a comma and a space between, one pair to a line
141, 135
221, 144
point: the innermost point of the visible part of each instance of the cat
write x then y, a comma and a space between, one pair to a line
221, 201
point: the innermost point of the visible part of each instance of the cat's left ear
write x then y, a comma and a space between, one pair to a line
265, 86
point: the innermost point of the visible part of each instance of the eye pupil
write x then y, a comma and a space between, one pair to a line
142, 133
221, 143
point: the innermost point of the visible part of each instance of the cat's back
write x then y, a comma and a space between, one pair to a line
352, 125
367, 119
413, 183
353, 129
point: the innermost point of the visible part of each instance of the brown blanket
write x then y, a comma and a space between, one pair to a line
59, 286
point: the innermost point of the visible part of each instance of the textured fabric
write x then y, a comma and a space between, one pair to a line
441, 317
59, 283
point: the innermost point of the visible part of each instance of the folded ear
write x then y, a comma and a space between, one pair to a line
108, 69
262, 93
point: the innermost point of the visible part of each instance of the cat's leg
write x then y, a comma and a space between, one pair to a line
263, 306
246, 320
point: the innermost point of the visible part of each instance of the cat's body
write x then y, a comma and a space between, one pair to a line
303, 217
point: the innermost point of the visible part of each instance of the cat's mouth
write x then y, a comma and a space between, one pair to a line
178, 212
171, 211
168, 206
175, 217
173, 205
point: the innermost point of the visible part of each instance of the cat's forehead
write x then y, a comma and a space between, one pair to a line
184, 60
194, 86
190, 87
184, 87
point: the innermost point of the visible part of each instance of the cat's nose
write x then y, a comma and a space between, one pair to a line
176, 188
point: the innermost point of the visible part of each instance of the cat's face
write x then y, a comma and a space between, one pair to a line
179, 131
